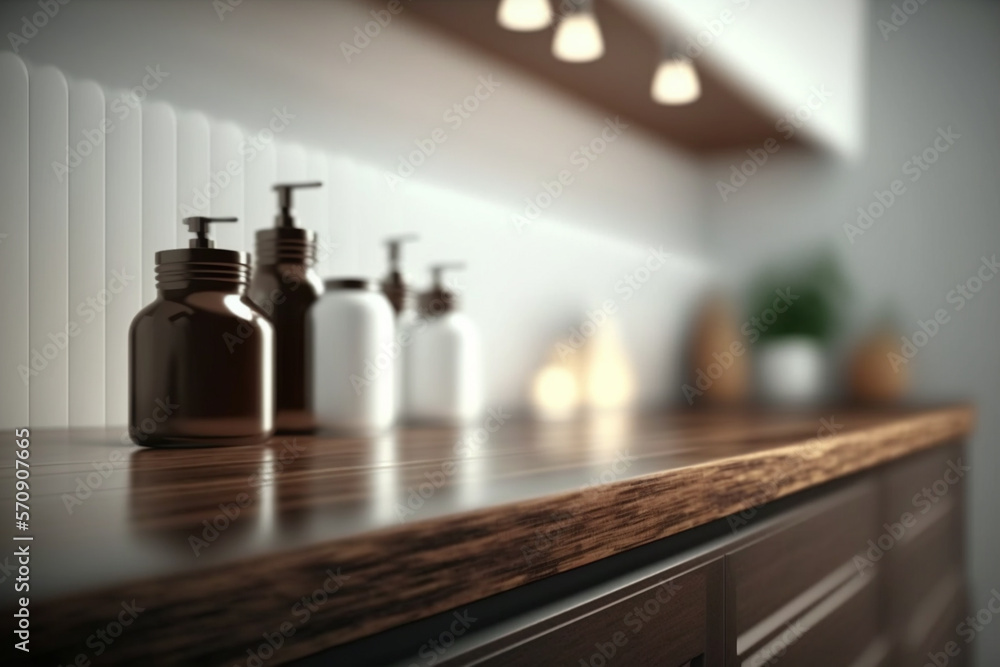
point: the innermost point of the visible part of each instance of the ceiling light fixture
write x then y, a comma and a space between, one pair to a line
578, 36
524, 15
676, 81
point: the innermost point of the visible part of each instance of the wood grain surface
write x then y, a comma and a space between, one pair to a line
324, 540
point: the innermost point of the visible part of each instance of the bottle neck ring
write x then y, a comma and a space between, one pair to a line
201, 276
286, 246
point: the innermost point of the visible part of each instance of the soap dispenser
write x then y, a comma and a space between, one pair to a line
201, 356
444, 363
285, 286
403, 301
394, 285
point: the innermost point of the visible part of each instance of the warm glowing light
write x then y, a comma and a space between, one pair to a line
608, 378
555, 394
578, 38
609, 384
676, 82
524, 15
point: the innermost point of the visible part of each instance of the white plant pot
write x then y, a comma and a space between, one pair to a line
792, 371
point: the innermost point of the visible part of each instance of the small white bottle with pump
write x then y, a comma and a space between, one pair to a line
444, 362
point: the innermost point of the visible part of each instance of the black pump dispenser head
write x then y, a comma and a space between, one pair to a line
285, 219
394, 286
439, 300
198, 225
395, 245
437, 271
202, 266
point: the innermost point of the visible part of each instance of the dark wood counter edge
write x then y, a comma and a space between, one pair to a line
413, 570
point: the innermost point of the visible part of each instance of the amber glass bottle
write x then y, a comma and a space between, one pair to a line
285, 286
201, 356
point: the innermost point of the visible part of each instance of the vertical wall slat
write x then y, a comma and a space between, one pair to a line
291, 162
48, 247
160, 222
90, 289
14, 356
123, 245
193, 164
225, 188
342, 174
261, 163
371, 203
314, 210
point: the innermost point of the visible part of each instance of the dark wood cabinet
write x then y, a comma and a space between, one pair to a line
921, 543
671, 622
794, 593
866, 571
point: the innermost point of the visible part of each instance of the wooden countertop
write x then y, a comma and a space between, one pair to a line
396, 528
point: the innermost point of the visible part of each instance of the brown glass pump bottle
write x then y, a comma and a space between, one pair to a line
201, 356
285, 285
394, 284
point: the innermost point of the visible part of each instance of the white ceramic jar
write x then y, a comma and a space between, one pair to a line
792, 371
354, 375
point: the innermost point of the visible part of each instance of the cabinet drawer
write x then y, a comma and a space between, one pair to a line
841, 630
923, 481
805, 573
914, 567
931, 628
671, 623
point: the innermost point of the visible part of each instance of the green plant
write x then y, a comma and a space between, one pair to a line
818, 291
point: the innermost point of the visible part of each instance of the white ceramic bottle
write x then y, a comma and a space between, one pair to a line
444, 362
354, 376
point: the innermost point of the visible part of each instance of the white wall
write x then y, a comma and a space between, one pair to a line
350, 123
778, 52
939, 70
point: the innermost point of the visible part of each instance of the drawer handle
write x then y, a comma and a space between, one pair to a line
810, 619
